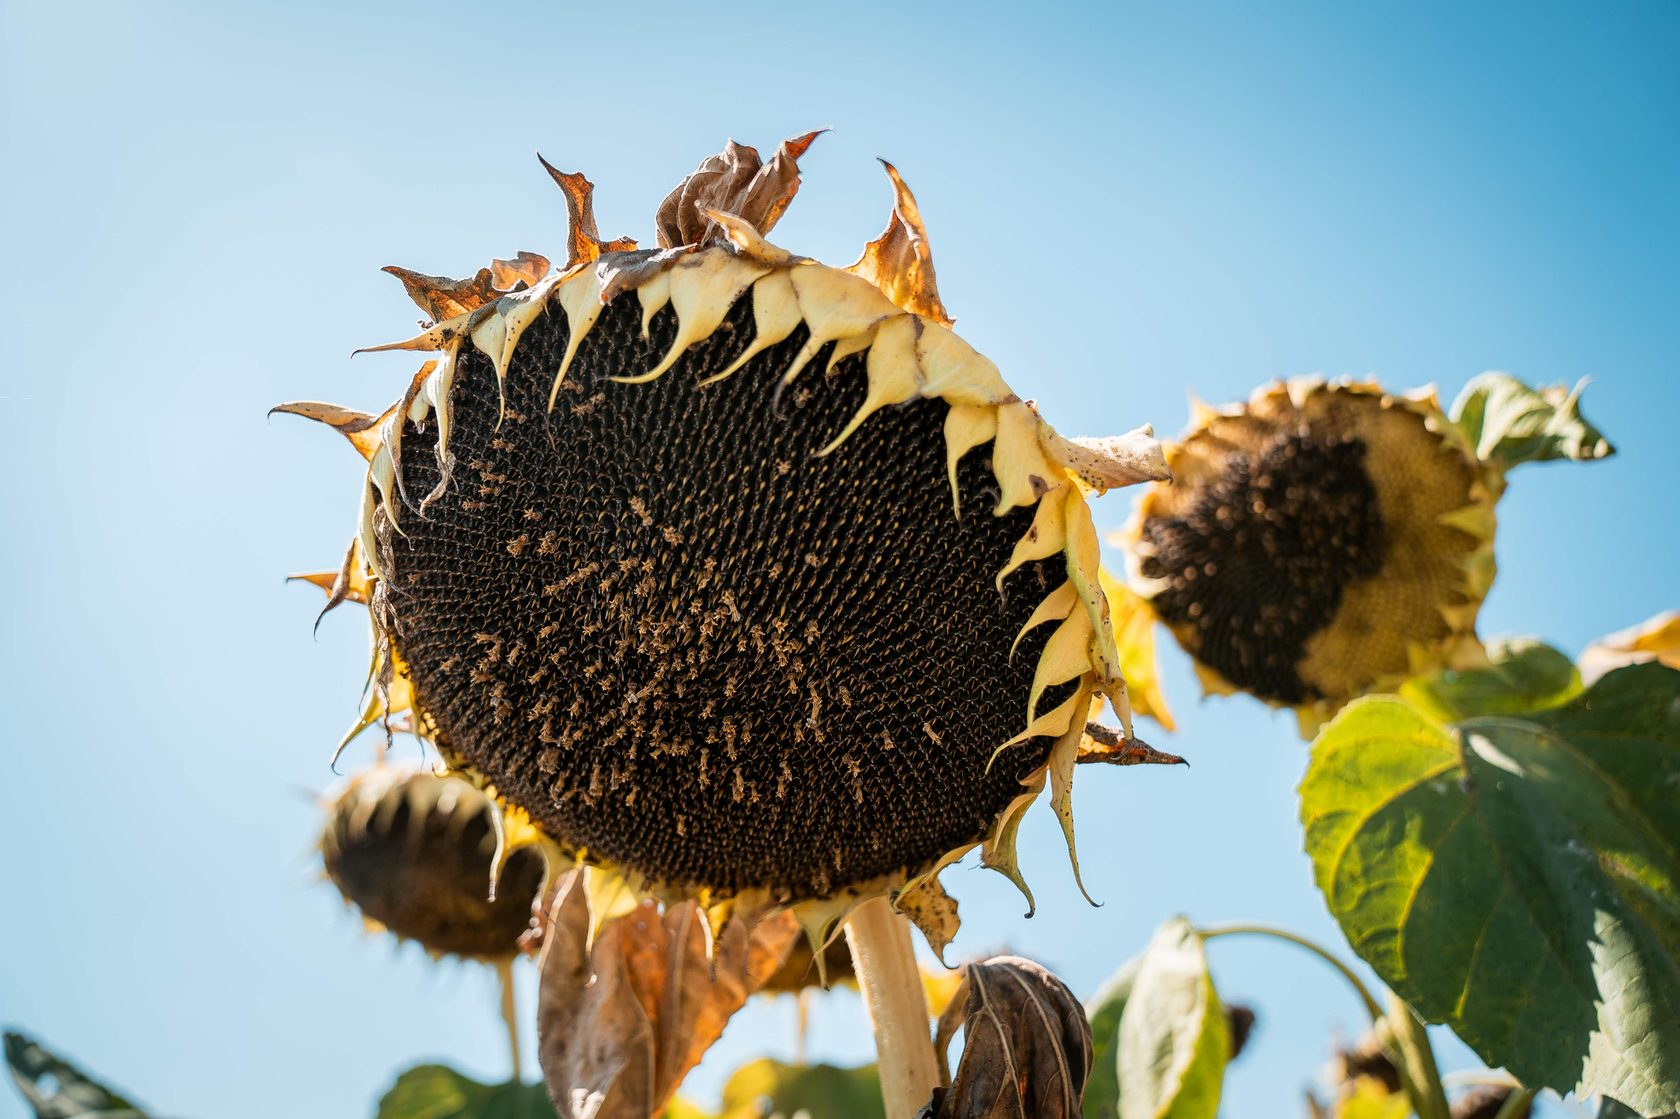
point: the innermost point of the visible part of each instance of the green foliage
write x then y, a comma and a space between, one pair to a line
1517, 875
439, 1092
1509, 423
1523, 675
57, 1089
770, 1088
1102, 1087
1174, 1041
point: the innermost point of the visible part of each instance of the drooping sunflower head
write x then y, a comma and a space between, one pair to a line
1318, 541
413, 851
742, 575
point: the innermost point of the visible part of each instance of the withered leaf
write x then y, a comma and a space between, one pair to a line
736, 182
525, 268
584, 239
899, 261
1028, 1048
620, 1023
443, 298
1110, 747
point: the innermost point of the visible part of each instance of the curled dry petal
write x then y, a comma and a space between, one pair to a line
525, 268
443, 298
1110, 461
621, 1022
899, 261
1112, 747
360, 428
1028, 1047
584, 241
736, 182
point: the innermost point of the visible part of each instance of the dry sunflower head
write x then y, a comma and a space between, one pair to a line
1326, 539
413, 852
738, 576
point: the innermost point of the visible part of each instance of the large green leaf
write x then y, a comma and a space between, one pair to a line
1518, 877
1174, 1042
1507, 422
439, 1092
1102, 1087
1522, 675
56, 1089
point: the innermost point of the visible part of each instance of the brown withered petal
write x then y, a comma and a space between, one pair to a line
584, 242
736, 182
443, 298
622, 1021
1109, 746
899, 261
360, 428
1027, 1051
525, 268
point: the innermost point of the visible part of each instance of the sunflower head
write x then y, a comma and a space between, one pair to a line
1326, 539
413, 851
743, 576
1317, 540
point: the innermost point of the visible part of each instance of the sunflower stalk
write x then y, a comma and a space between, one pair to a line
885, 962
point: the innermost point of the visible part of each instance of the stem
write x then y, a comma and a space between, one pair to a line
1514, 1103
1372, 1007
1407, 1043
504, 972
891, 984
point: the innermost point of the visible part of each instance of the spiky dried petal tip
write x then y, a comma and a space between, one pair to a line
743, 576
414, 852
1325, 539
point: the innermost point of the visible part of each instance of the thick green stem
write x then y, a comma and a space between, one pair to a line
1407, 1042
885, 962
1515, 1103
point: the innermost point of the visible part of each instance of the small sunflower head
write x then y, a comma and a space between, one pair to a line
1318, 541
413, 851
742, 575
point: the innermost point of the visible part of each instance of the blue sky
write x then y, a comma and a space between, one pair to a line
1127, 203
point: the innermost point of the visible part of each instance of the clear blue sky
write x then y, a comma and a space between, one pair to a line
1127, 204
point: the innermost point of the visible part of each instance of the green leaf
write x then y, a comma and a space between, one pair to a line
1102, 1087
1518, 878
1509, 423
1524, 675
439, 1092
764, 1089
56, 1089
1174, 1042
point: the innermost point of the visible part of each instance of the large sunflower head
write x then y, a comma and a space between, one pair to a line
1326, 539
739, 575
414, 852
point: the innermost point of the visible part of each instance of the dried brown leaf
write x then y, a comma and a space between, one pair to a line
525, 268
734, 181
1111, 747
621, 1023
1027, 1051
584, 240
443, 298
899, 261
